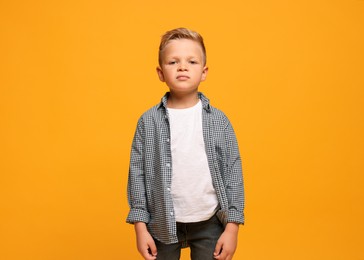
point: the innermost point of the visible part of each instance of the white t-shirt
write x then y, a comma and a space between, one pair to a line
194, 197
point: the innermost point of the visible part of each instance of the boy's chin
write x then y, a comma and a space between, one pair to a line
180, 91
183, 89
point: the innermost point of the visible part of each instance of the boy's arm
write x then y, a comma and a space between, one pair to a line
138, 214
234, 187
234, 184
136, 181
145, 242
226, 245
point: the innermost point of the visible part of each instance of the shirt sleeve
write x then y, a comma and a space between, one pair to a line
136, 181
234, 178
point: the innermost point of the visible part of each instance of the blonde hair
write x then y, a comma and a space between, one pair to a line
177, 34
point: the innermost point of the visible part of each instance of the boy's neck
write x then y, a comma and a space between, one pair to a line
181, 101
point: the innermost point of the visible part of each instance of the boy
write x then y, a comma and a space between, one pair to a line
185, 184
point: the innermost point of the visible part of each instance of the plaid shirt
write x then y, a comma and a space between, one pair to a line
150, 172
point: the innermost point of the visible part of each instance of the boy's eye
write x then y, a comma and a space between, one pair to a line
172, 62
193, 62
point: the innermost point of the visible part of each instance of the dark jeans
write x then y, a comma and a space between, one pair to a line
201, 237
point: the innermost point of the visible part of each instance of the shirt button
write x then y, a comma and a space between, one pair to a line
169, 189
168, 165
167, 140
171, 213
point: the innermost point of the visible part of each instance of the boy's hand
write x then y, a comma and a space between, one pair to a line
145, 242
226, 245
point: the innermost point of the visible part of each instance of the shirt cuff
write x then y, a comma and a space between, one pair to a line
138, 215
235, 216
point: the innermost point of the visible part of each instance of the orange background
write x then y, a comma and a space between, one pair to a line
76, 75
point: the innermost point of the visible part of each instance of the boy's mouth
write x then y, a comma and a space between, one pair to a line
183, 77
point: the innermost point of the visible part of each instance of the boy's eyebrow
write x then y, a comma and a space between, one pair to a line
178, 57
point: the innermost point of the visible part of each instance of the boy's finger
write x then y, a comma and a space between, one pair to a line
146, 255
153, 248
223, 256
217, 249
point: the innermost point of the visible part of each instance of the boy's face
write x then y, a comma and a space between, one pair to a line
182, 66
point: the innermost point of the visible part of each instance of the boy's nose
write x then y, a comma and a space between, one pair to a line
182, 67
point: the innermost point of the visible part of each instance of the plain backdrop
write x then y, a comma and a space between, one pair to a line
76, 75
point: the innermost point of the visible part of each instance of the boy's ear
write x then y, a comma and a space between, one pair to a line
204, 73
160, 74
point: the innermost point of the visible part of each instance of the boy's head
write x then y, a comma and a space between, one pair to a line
181, 33
182, 61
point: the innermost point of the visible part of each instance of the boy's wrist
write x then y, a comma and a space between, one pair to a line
232, 227
140, 226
